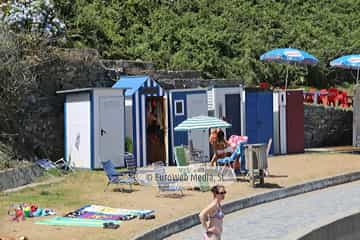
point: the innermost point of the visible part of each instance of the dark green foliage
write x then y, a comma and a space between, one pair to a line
223, 38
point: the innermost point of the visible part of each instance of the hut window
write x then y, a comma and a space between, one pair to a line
179, 107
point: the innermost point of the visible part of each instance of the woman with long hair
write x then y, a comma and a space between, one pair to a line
212, 216
219, 147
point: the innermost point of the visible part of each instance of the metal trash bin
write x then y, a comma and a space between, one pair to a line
256, 161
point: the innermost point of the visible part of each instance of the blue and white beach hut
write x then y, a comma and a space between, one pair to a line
184, 104
146, 123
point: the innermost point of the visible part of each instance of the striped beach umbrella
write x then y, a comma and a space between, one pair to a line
201, 122
289, 56
348, 62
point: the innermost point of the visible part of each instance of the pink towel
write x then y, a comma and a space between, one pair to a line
235, 140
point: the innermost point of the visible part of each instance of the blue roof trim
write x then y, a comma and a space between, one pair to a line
133, 83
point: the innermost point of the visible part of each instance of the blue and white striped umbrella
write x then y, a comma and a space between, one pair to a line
201, 122
348, 62
290, 56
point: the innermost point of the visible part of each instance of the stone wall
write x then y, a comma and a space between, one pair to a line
197, 82
327, 126
40, 128
13, 178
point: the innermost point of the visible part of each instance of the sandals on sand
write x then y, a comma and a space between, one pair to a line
111, 225
147, 216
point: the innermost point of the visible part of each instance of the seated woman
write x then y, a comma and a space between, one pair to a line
219, 147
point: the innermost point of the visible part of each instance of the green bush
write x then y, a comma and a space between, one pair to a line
222, 39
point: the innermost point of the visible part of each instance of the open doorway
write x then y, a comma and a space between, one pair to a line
155, 129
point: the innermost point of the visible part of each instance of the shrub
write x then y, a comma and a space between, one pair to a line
32, 16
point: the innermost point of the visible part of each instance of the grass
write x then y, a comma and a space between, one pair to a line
70, 194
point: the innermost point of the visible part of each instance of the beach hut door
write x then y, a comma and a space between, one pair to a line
111, 131
197, 106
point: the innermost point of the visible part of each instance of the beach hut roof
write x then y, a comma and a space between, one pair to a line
132, 83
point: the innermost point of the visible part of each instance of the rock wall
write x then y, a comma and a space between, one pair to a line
41, 124
13, 178
327, 126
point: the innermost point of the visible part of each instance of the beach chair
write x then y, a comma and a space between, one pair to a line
163, 184
180, 156
196, 155
131, 165
115, 177
227, 161
65, 165
185, 168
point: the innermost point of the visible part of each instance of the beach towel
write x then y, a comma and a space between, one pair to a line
107, 213
99, 216
235, 140
65, 221
114, 211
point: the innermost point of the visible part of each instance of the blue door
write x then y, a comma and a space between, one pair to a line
232, 113
259, 116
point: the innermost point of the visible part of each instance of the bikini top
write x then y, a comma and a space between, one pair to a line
219, 214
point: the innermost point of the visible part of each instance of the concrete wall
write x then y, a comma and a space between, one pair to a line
347, 228
327, 126
12, 178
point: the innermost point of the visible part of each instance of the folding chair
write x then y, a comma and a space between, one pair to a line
63, 164
131, 165
195, 154
115, 177
163, 184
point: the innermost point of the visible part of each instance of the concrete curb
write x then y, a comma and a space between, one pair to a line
191, 220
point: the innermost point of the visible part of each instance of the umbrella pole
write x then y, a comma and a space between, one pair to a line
286, 78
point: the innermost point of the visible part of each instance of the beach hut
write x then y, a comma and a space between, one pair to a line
184, 104
225, 102
288, 121
279, 118
294, 121
146, 123
259, 115
93, 127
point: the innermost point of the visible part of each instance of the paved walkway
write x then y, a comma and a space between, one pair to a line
279, 219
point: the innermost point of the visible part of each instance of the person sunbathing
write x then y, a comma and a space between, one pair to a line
219, 147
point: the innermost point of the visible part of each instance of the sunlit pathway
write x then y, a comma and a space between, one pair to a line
277, 219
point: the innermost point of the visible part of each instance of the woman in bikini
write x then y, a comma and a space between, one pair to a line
212, 216
219, 147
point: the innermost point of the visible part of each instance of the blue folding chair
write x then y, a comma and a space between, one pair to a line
115, 177
238, 153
